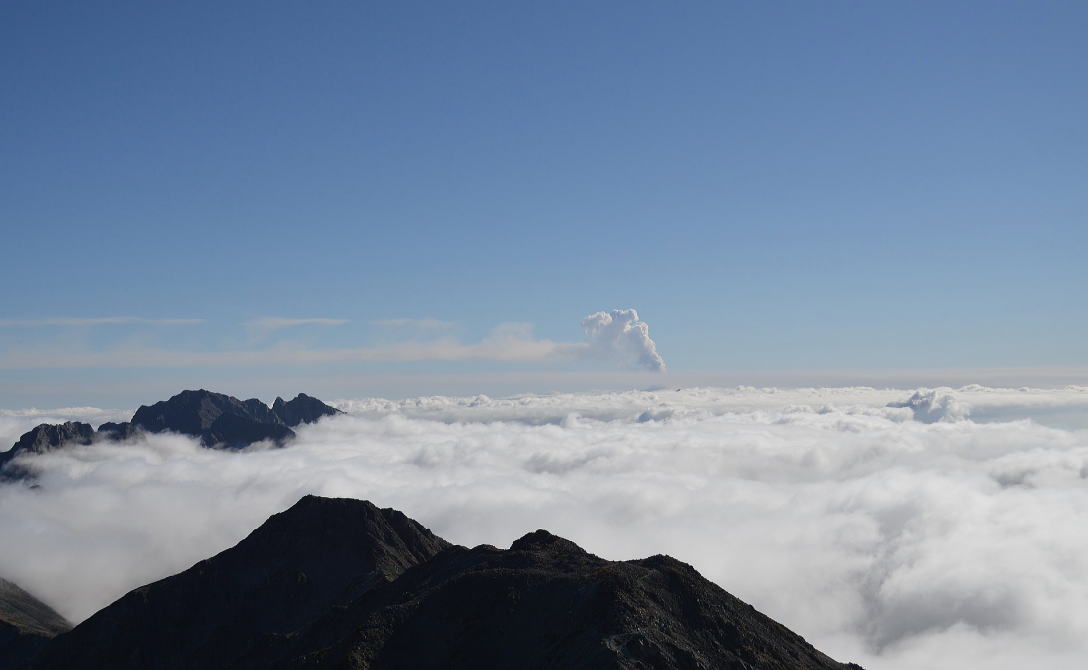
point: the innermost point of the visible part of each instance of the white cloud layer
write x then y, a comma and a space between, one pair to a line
893, 538
931, 406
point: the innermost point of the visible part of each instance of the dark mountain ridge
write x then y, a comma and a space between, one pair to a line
341, 583
297, 566
219, 420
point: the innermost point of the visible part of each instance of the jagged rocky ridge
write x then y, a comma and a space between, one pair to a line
26, 625
340, 583
219, 420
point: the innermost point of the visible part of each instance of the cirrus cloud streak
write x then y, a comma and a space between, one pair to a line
78, 322
617, 336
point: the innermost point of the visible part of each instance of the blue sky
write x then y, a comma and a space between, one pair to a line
773, 186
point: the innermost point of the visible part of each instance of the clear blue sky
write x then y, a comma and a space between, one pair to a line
774, 186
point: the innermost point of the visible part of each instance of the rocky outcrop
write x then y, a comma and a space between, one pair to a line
117, 432
220, 421
223, 421
42, 438
26, 625
303, 409
48, 436
340, 583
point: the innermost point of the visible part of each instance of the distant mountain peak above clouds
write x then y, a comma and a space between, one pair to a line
217, 419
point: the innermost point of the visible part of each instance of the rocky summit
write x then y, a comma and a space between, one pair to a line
341, 583
220, 421
26, 625
319, 555
303, 409
42, 438
224, 421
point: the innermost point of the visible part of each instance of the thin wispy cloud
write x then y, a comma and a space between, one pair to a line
440, 350
75, 322
418, 324
277, 322
617, 336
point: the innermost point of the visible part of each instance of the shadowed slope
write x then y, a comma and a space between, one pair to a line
545, 603
26, 625
297, 566
340, 583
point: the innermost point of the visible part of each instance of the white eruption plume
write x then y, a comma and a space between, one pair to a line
620, 334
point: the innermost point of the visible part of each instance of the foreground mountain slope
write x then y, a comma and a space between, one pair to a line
544, 603
339, 583
26, 625
294, 568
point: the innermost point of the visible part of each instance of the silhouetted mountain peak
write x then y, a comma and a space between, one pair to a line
301, 563
303, 409
225, 421
542, 540
333, 582
219, 420
384, 539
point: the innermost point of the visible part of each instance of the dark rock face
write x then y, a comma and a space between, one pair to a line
48, 436
42, 438
224, 421
117, 432
545, 603
26, 625
341, 583
217, 419
300, 564
303, 409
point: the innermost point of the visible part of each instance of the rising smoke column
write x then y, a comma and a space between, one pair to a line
620, 334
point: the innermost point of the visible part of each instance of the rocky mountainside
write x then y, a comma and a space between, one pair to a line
224, 421
303, 409
42, 438
219, 420
26, 625
340, 583
298, 566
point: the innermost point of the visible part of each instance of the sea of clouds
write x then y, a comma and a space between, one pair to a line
902, 529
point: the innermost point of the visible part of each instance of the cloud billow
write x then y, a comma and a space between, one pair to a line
932, 405
620, 334
885, 539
